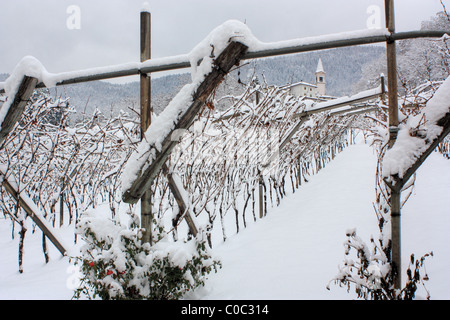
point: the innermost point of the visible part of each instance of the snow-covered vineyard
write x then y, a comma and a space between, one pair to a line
216, 193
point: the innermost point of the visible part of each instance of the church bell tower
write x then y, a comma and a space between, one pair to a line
320, 78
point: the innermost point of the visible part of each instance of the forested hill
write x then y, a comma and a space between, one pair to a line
342, 66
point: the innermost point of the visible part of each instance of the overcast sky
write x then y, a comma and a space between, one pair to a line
107, 31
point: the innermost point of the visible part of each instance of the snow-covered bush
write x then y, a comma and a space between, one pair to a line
371, 274
115, 264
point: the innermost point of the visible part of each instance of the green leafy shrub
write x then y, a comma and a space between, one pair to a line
115, 264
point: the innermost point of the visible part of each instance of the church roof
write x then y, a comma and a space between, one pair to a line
302, 83
320, 66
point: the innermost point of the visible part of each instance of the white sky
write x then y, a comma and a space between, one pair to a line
109, 29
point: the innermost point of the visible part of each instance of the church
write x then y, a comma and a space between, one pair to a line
309, 90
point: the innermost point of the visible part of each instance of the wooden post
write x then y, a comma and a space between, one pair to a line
398, 182
393, 129
391, 56
145, 113
261, 196
17, 106
61, 208
396, 237
176, 188
32, 212
149, 170
261, 178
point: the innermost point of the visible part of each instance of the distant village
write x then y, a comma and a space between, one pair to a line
311, 91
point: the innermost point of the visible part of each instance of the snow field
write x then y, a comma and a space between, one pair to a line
294, 251
290, 254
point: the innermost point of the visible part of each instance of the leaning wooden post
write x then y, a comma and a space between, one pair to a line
150, 163
176, 189
393, 129
17, 105
32, 211
145, 111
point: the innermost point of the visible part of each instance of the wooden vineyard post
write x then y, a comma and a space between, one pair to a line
230, 56
17, 107
261, 195
145, 113
261, 179
176, 188
393, 129
32, 212
394, 199
391, 56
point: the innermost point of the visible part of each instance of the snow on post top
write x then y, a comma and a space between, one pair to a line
145, 7
218, 39
28, 66
408, 148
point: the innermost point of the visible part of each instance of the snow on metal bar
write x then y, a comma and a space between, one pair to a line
343, 101
353, 110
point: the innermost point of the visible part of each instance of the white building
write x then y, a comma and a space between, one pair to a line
304, 89
309, 90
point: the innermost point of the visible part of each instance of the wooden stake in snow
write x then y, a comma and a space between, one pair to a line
177, 190
391, 55
149, 169
393, 129
145, 112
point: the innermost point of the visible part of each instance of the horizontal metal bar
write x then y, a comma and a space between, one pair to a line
354, 110
338, 104
418, 34
315, 46
123, 73
322, 45
289, 47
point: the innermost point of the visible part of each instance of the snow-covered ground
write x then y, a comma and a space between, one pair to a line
294, 251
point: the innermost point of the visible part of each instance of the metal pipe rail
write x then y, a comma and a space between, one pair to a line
283, 48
